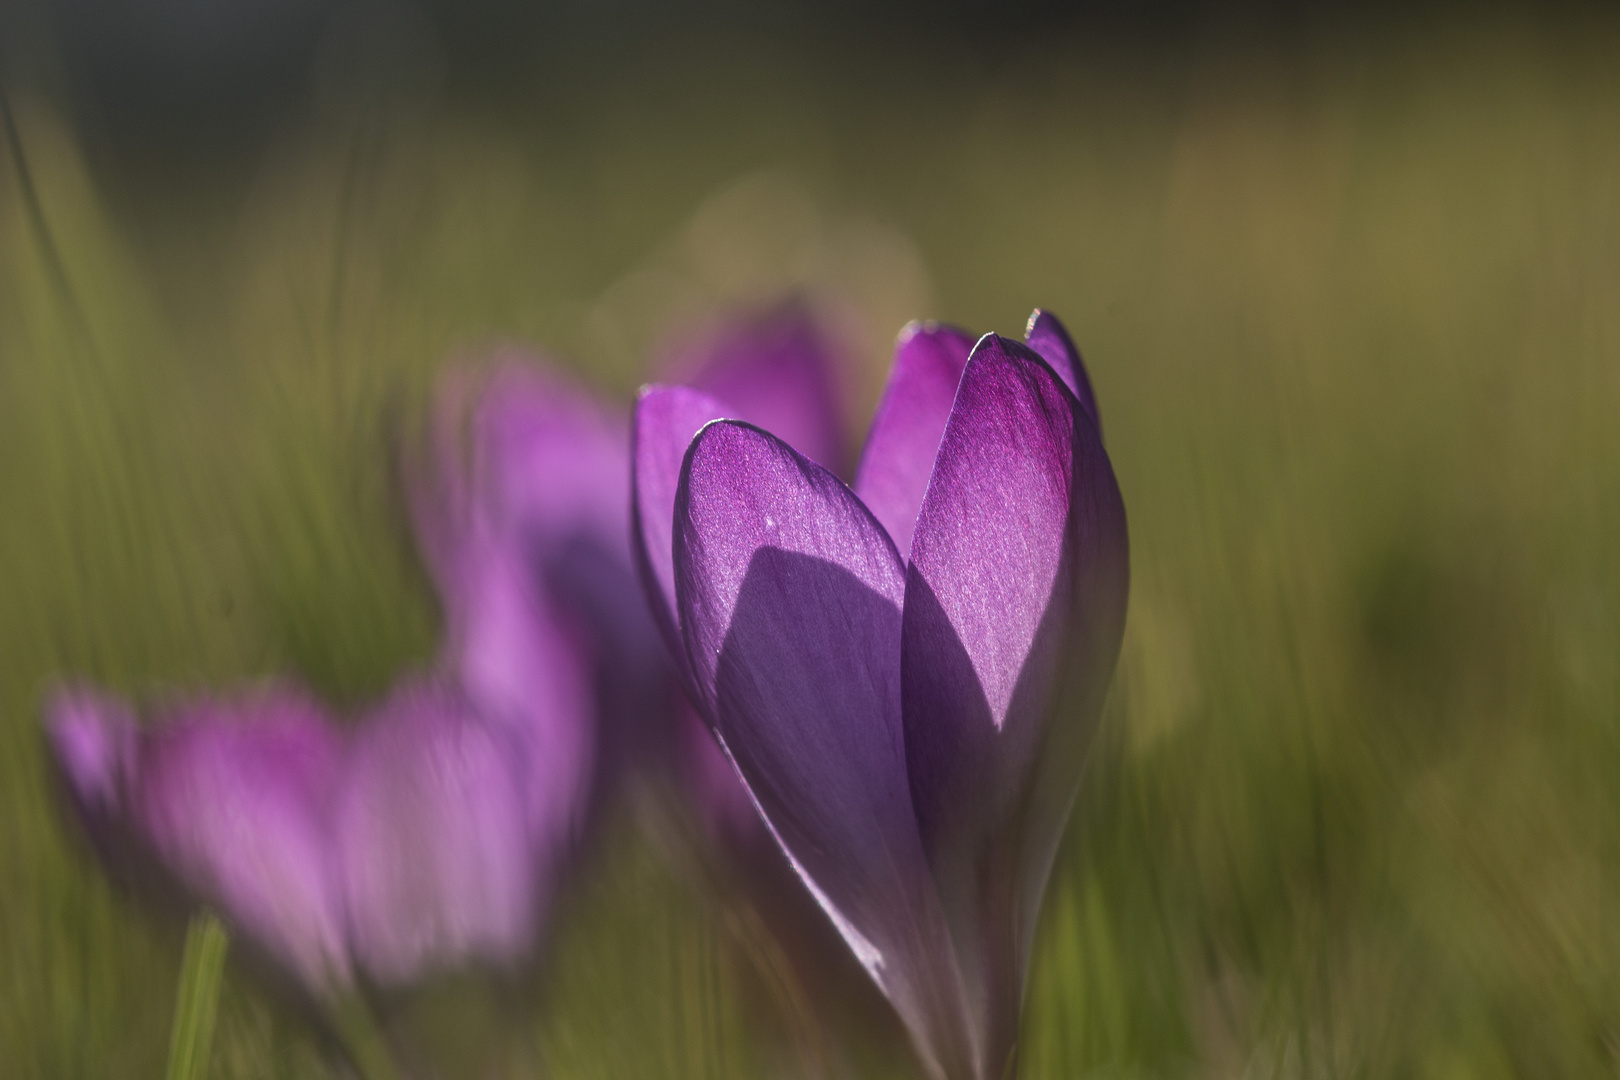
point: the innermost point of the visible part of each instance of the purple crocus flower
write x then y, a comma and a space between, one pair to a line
906, 676
432, 832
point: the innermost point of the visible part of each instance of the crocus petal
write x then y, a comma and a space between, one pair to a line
435, 851
899, 455
665, 422
777, 371
547, 630
94, 746
1015, 597
521, 665
556, 460
553, 499
93, 741
1046, 335
235, 799
789, 596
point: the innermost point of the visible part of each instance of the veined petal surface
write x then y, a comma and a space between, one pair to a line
789, 595
1015, 591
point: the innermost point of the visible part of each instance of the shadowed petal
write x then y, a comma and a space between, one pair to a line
1046, 335
899, 455
789, 594
665, 422
437, 858
777, 371
1015, 597
235, 799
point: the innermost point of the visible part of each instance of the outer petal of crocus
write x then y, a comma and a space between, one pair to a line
235, 799
776, 370
899, 455
1015, 603
436, 855
665, 422
1046, 335
789, 594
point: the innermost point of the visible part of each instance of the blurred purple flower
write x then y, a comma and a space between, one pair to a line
777, 369
906, 676
432, 833
435, 830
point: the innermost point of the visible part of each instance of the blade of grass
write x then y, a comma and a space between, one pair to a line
197, 1000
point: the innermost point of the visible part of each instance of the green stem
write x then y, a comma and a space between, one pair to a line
197, 1001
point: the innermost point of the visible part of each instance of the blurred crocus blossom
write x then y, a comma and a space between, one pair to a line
431, 832
778, 369
912, 730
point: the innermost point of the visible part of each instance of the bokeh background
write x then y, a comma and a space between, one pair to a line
1348, 283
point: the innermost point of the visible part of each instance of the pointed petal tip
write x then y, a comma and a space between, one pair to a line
91, 736
898, 458
1047, 336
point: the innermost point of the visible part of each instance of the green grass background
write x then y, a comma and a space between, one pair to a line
1353, 314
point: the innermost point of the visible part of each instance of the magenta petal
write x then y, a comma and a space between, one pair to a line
542, 601
93, 741
665, 422
1015, 604
1046, 335
235, 799
438, 861
553, 459
94, 746
542, 519
776, 371
789, 598
899, 455
522, 667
